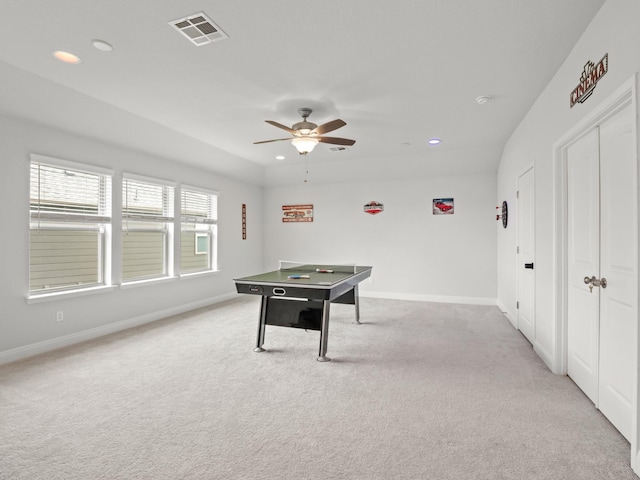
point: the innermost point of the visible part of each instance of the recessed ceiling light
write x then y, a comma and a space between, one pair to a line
66, 57
280, 157
102, 45
434, 141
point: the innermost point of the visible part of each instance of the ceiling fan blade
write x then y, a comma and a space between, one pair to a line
337, 141
275, 140
329, 126
279, 125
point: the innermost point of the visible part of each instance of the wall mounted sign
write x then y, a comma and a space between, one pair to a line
591, 75
297, 213
443, 206
244, 221
373, 208
504, 215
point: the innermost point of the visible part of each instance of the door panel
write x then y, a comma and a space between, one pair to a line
618, 301
526, 276
583, 260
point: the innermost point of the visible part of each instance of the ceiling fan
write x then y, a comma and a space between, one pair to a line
307, 135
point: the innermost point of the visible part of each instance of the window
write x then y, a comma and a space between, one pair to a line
198, 219
147, 228
202, 244
70, 225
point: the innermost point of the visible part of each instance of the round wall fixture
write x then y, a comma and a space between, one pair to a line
505, 214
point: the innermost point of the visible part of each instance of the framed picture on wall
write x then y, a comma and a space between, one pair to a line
297, 213
443, 206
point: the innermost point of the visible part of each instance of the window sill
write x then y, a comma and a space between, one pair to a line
198, 274
47, 297
149, 281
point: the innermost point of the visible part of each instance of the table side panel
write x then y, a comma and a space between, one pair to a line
297, 314
283, 290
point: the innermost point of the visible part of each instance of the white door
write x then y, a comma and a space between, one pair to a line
618, 264
583, 252
602, 213
526, 277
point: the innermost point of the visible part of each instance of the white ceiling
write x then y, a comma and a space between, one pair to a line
397, 72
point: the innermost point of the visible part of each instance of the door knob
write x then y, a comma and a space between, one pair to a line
528, 265
599, 282
595, 282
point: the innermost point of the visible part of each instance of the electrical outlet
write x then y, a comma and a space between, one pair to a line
59, 316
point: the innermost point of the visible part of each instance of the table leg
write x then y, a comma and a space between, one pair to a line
357, 303
262, 321
324, 332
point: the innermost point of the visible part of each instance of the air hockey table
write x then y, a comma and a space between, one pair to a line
300, 295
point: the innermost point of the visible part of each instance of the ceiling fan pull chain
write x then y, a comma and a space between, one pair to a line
306, 168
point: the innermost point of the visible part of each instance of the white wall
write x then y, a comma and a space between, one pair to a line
614, 31
30, 328
414, 254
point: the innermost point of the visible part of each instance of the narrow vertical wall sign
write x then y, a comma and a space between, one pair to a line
591, 75
244, 221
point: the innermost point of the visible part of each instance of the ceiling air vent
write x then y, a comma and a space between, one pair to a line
199, 29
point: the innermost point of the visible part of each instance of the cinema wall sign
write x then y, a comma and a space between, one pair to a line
590, 77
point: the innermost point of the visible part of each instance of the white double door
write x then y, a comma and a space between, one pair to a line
602, 245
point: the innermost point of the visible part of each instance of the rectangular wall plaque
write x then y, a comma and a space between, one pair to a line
297, 213
443, 206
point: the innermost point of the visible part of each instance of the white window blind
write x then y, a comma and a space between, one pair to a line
198, 207
60, 193
147, 201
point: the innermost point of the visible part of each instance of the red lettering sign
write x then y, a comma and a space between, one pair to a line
591, 75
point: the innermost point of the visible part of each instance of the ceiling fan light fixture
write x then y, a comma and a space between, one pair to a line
307, 135
304, 145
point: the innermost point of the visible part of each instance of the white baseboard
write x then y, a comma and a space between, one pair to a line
430, 298
73, 338
505, 311
547, 357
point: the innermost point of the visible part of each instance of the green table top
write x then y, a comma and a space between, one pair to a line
318, 275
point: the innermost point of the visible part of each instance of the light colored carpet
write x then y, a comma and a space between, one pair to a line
419, 391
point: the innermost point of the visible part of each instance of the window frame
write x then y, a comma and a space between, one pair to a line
163, 223
210, 230
61, 221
